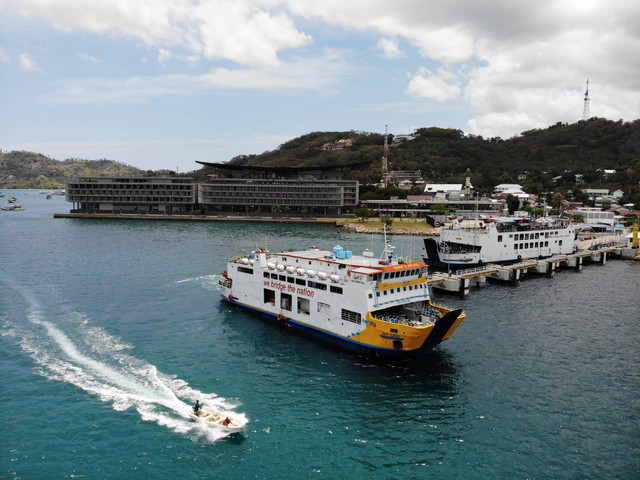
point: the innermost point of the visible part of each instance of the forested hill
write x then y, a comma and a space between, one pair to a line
33, 170
443, 155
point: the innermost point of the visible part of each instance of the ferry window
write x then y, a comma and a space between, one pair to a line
377, 294
269, 297
511, 235
324, 308
546, 244
350, 316
371, 295
515, 246
282, 278
386, 276
499, 238
404, 289
536, 244
319, 286
410, 287
285, 301
274, 276
304, 305
537, 236
559, 242
393, 330
546, 234
385, 292
300, 281
245, 270
335, 289
291, 280
266, 274
284, 259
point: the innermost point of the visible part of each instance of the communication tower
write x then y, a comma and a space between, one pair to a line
585, 112
385, 158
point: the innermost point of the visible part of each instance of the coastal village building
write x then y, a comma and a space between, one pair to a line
443, 191
596, 216
507, 187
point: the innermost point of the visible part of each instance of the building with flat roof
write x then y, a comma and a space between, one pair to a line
251, 189
596, 216
132, 195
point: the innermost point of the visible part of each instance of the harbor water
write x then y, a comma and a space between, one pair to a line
111, 330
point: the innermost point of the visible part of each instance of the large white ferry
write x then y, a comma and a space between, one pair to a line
379, 307
500, 240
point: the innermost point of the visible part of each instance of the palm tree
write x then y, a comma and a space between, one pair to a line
557, 201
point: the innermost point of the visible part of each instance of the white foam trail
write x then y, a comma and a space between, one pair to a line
194, 279
95, 362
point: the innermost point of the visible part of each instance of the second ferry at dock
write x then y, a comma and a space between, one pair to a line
370, 306
499, 240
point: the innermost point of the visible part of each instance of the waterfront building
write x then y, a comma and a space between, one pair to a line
132, 195
229, 189
296, 190
418, 206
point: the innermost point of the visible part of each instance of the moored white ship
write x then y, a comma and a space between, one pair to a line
501, 240
357, 302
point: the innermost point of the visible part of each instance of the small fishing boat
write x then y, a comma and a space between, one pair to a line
13, 207
215, 418
13, 200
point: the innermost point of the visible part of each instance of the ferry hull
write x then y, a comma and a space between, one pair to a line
440, 332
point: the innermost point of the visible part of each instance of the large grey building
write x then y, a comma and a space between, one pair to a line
132, 195
244, 189
228, 189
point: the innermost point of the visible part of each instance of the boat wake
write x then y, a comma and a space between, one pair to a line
195, 279
99, 364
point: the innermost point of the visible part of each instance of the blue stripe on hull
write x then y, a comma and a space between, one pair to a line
330, 337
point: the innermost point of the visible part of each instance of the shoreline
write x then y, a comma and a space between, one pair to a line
346, 224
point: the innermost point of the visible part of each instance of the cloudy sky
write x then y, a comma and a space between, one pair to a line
163, 83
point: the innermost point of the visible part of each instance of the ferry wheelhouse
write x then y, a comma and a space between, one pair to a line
370, 306
499, 240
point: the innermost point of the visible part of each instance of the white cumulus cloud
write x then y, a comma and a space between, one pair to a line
27, 63
390, 49
439, 86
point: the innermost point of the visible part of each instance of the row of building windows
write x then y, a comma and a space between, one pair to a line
76, 198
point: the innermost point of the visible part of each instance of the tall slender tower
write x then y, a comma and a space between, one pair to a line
585, 112
385, 157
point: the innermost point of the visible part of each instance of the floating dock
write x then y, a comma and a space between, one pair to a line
461, 281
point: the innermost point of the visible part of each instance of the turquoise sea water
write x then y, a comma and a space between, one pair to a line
111, 330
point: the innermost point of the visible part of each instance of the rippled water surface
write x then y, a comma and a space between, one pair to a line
111, 330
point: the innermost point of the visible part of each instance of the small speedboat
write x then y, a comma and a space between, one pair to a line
215, 418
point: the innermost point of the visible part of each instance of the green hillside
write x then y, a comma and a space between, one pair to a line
33, 170
543, 160
550, 158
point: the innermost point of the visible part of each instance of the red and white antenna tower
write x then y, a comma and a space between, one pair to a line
585, 111
385, 158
